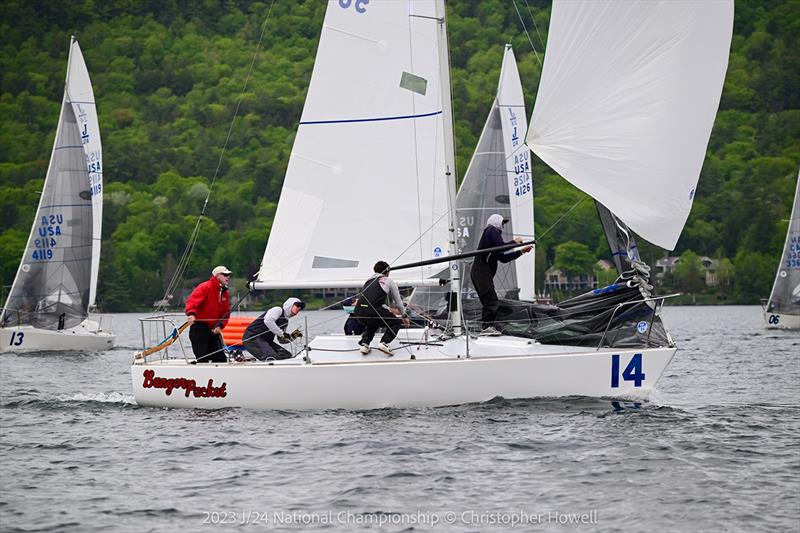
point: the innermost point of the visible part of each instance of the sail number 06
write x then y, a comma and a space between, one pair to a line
633, 372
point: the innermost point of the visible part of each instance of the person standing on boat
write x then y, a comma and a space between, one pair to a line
259, 337
374, 313
484, 267
208, 309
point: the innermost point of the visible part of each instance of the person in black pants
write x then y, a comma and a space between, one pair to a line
373, 312
485, 267
207, 310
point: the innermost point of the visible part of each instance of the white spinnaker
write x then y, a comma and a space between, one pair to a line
518, 167
366, 177
626, 102
81, 97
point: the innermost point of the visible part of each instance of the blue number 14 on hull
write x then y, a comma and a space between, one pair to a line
633, 372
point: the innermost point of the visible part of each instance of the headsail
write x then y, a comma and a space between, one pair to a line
52, 287
626, 102
785, 295
366, 177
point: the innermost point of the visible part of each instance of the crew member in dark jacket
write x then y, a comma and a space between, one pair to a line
484, 267
259, 337
372, 309
208, 309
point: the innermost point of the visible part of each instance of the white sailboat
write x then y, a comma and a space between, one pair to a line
782, 310
56, 282
628, 96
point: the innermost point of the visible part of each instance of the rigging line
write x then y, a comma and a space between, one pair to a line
526, 33
178, 275
541, 41
554, 224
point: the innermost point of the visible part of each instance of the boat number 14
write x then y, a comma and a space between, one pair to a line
16, 338
633, 372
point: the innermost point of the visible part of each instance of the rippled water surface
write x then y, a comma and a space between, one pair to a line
717, 448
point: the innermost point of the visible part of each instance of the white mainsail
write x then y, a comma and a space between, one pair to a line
497, 180
80, 95
626, 103
366, 179
511, 104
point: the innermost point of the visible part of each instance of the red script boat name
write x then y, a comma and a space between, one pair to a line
151, 381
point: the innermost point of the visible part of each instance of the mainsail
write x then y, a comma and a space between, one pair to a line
366, 179
785, 295
626, 103
55, 282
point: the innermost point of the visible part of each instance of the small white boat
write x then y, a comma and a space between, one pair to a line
782, 310
625, 107
56, 282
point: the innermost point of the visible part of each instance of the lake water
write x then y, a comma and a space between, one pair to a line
717, 448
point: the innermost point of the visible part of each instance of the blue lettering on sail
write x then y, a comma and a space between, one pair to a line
48, 230
793, 253
359, 5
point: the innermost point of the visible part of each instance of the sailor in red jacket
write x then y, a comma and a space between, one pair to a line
208, 309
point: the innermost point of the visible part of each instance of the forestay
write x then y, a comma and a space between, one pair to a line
366, 177
54, 284
785, 296
627, 98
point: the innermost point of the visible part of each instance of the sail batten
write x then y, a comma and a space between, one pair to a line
627, 99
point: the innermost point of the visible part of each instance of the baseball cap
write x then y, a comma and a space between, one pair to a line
221, 270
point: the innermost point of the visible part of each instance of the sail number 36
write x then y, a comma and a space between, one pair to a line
633, 372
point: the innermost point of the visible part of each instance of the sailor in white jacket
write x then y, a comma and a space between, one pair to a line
259, 337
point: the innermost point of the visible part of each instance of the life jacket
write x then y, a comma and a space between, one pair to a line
371, 299
258, 328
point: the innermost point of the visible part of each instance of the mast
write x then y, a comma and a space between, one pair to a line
454, 298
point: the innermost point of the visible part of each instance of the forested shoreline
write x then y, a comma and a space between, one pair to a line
168, 78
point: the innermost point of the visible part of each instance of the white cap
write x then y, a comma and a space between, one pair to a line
221, 270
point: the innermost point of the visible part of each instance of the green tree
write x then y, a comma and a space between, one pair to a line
689, 272
574, 258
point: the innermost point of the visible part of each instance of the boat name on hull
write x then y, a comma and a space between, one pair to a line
151, 381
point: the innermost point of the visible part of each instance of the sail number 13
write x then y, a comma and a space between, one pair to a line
633, 372
16, 338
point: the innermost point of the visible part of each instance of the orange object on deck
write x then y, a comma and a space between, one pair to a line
234, 331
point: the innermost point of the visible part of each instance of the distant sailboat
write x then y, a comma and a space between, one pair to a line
55, 286
627, 100
782, 310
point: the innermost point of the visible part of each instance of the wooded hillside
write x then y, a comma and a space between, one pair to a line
168, 75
